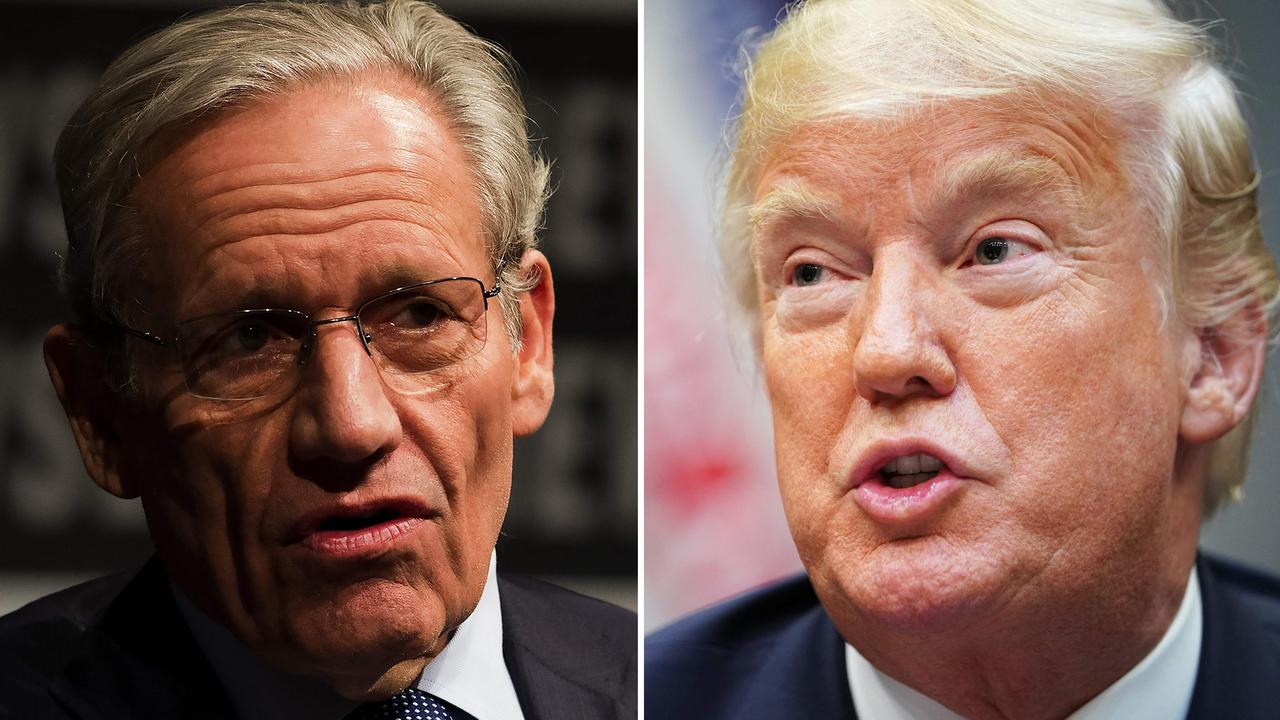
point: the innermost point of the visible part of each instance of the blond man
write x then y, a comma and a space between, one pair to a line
1003, 268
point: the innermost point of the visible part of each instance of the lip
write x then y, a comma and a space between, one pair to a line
896, 506
881, 452
405, 515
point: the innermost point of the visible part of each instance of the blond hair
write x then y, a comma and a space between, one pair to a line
235, 56
1189, 160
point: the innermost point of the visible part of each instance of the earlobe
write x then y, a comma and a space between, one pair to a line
534, 383
78, 372
1225, 381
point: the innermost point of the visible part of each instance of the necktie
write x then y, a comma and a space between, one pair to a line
409, 704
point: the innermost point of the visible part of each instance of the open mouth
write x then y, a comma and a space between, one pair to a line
910, 470
359, 522
361, 518
362, 529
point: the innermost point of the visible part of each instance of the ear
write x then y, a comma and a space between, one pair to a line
1226, 373
79, 373
534, 385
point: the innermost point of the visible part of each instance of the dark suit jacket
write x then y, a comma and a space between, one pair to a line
774, 654
116, 648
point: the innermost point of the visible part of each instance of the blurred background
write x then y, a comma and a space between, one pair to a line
713, 520
574, 498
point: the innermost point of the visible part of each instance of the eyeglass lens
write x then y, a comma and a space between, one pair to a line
254, 353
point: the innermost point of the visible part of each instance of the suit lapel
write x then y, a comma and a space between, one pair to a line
546, 692
803, 676
140, 658
554, 676
1239, 656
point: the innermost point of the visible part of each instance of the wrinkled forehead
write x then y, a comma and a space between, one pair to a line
369, 165
325, 129
952, 147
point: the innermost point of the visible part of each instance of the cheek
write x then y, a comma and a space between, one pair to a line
208, 494
223, 480
1085, 400
470, 446
809, 381
466, 436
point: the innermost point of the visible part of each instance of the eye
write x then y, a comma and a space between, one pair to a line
420, 313
996, 250
807, 274
240, 337
251, 336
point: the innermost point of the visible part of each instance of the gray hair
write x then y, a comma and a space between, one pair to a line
1188, 155
231, 57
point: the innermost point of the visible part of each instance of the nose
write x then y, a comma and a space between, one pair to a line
343, 411
897, 353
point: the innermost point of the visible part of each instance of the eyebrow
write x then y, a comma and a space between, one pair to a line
277, 296
791, 200
999, 171
1005, 171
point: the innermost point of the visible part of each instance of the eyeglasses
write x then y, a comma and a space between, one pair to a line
250, 354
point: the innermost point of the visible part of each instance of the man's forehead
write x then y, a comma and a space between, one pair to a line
953, 147
997, 171
339, 179
315, 131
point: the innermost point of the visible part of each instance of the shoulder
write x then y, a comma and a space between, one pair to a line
1240, 647
37, 640
1255, 589
1241, 607
748, 623
560, 644
589, 624
39, 634
702, 665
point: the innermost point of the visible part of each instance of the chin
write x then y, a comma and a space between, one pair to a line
917, 586
370, 628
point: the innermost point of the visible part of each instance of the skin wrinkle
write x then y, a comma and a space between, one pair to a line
1022, 371
1037, 141
291, 204
978, 181
384, 183
438, 233
298, 191
295, 221
968, 207
234, 478
295, 206
293, 263
909, 195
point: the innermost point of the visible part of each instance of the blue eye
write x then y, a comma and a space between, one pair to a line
992, 251
807, 274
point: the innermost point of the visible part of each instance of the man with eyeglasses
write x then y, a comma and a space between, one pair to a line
308, 321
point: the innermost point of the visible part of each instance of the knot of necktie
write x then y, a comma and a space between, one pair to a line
409, 704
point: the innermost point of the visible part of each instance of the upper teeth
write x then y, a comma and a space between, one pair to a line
912, 464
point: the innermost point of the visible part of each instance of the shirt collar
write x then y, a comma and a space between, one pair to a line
1158, 687
469, 673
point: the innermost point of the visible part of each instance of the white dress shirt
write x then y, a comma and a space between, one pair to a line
469, 673
1159, 687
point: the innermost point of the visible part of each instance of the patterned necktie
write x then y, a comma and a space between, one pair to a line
410, 704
